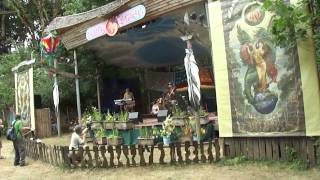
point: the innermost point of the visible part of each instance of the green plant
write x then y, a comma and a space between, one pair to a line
100, 133
108, 117
114, 134
123, 116
92, 114
168, 127
201, 112
177, 111
187, 128
146, 132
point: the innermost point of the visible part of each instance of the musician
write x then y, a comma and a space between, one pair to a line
128, 95
159, 105
170, 93
170, 97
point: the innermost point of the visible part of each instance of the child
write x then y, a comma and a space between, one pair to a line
1, 127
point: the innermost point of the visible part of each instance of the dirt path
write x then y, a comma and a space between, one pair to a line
38, 170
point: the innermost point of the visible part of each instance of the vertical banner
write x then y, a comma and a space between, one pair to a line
262, 89
24, 91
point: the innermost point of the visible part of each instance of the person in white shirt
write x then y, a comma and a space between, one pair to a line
77, 140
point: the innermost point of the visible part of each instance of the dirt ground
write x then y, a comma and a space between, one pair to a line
39, 170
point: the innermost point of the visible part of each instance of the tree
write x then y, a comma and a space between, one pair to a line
291, 22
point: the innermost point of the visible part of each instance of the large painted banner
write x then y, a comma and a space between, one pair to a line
24, 97
262, 90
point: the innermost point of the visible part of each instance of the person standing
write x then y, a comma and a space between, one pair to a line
128, 95
18, 143
1, 127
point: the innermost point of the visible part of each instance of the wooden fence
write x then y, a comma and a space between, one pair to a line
273, 148
123, 155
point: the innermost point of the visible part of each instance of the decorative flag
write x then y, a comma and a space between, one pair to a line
49, 46
56, 96
192, 72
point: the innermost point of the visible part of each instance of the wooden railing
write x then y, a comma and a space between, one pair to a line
123, 155
301, 148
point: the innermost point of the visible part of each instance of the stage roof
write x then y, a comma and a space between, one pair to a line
156, 45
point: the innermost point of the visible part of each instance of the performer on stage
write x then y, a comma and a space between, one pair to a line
157, 106
170, 93
128, 95
169, 97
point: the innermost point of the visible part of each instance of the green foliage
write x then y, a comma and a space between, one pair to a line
115, 134
100, 133
123, 116
109, 117
146, 132
92, 114
290, 23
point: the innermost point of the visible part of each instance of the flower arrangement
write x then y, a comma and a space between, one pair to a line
168, 127
115, 134
146, 133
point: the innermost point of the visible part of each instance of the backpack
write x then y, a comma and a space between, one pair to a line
11, 133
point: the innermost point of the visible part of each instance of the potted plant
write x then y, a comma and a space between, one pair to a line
167, 130
178, 116
93, 115
186, 134
123, 122
203, 115
202, 133
101, 137
114, 139
146, 136
109, 120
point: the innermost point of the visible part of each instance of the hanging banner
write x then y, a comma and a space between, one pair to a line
110, 26
262, 90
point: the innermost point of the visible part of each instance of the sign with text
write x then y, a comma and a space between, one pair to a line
110, 27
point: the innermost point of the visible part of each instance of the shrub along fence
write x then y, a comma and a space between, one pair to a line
123, 155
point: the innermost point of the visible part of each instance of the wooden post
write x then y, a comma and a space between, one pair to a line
57, 109
98, 90
77, 85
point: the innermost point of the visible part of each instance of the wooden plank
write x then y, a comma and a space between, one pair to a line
303, 148
89, 161
96, 157
217, 149
262, 149
250, 148
268, 142
195, 152
256, 154
126, 154
110, 150
275, 149
179, 154
141, 154
162, 154
118, 150
81, 157
209, 151
237, 150
187, 150
311, 152
203, 156
151, 155
230, 141
133, 153
283, 149
104, 158
296, 146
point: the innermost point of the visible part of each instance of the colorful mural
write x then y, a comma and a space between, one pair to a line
23, 94
264, 95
